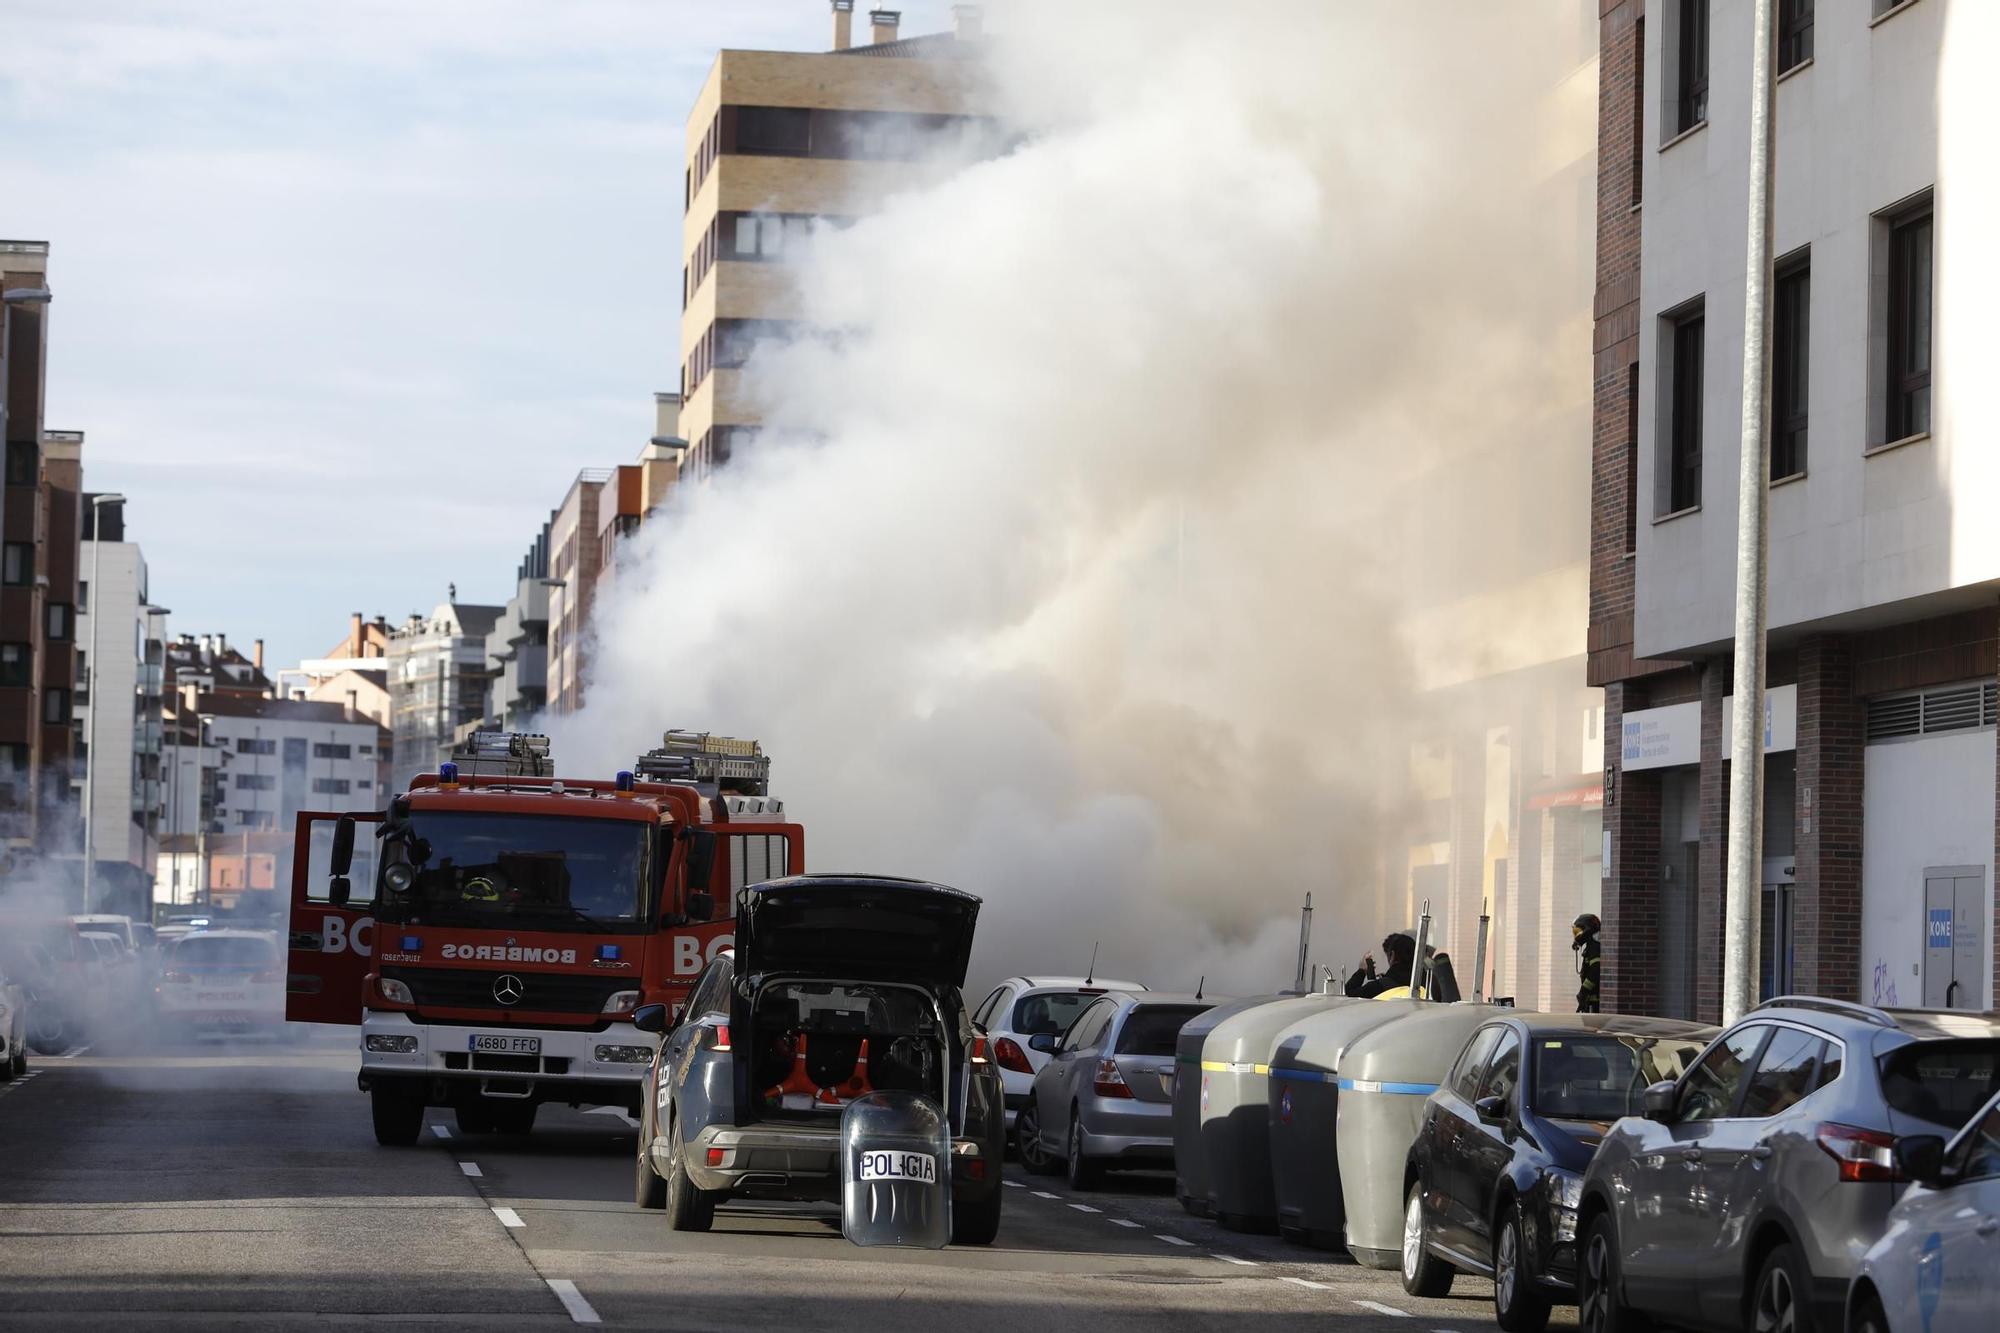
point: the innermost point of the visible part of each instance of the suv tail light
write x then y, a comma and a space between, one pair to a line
1009, 1055
1109, 1082
1862, 1154
716, 1038
979, 1054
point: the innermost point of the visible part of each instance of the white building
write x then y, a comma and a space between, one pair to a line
121, 738
276, 757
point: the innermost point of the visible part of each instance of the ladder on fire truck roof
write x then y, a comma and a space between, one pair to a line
709, 763
504, 754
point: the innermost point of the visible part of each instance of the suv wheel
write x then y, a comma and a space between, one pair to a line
648, 1190
1424, 1274
1600, 1307
1518, 1303
689, 1208
1028, 1142
1778, 1302
1085, 1173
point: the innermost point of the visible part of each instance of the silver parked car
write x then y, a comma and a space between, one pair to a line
1937, 1269
1749, 1189
1105, 1098
1022, 1008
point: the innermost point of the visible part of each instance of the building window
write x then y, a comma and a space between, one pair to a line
782, 130
1638, 110
248, 745
23, 466
364, 749
1795, 33
1909, 312
1691, 66
332, 786
16, 661
17, 564
1632, 457
1791, 359
256, 782
61, 621
329, 750
1877, 8
55, 707
1682, 456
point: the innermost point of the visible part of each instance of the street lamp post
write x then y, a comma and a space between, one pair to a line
1753, 509
97, 503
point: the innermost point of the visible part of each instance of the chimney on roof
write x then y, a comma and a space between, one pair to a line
843, 24
257, 655
968, 22
882, 25
354, 623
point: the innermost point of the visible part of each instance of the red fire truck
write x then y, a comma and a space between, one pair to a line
494, 934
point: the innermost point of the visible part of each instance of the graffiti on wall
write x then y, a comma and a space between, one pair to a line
1885, 985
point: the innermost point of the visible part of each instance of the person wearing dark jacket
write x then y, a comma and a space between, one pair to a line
1589, 961
1400, 950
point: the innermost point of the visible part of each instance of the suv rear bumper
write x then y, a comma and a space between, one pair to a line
800, 1162
568, 1068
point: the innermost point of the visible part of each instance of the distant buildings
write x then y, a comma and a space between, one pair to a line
517, 651
354, 673
437, 682
120, 715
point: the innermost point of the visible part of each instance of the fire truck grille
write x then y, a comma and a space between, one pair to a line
541, 991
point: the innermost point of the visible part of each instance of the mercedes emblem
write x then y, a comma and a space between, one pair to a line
508, 989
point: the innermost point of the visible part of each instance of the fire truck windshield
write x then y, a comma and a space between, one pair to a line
547, 872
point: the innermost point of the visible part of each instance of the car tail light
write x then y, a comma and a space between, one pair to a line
975, 1168
1110, 1083
1010, 1056
716, 1038
979, 1054
715, 1156
1863, 1154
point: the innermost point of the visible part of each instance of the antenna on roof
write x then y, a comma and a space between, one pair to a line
1199, 985
1091, 975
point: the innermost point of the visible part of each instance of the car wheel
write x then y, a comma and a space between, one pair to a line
1028, 1142
1085, 1173
689, 1208
1869, 1316
1518, 1303
398, 1117
1600, 1303
1778, 1303
1424, 1274
48, 1033
976, 1223
20, 1059
648, 1190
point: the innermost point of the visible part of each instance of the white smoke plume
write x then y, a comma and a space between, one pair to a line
1148, 460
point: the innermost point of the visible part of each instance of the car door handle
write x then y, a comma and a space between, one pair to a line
1988, 1225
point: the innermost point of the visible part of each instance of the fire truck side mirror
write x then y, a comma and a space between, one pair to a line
339, 890
701, 906
343, 846
700, 867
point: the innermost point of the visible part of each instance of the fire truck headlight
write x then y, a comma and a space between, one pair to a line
624, 1055
621, 1001
394, 991
399, 876
391, 1045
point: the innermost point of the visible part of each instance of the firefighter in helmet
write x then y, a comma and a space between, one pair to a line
1589, 961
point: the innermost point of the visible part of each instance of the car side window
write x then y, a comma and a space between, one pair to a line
1785, 1073
1981, 1150
1503, 1071
1465, 1076
707, 994
1711, 1087
1084, 1034
986, 1008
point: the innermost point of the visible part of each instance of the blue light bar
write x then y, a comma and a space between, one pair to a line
447, 772
623, 782
412, 943
608, 952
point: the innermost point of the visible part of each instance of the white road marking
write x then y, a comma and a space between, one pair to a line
1013, 1184
1085, 1208
573, 1301
1380, 1308
471, 1169
1173, 1240
1044, 1194
71, 1053
1232, 1259
1122, 1222
509, 1218
618, 1111
441, 1131
1301, 1282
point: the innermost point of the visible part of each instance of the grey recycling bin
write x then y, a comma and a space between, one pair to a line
1190, 1170
895, 1171
1303, 1098
1386, 1076
1235, 1109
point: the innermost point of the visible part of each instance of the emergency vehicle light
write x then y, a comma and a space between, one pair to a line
448, 774
623, 780
609, 952
412, 943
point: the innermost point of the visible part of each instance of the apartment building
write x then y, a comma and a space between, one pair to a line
576, 555
517, 651
1879, 816
437, 682
120, 708
61, 564
353, 673
277, 757
780, 143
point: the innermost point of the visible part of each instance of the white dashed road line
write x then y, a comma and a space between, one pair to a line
1044, 1194
1085, 1208
1122, 1222
1232, 1259
471, 1169
1173, 1240
1013, 1184
1301, 1282
573, 1301
441, 1131
509, 1218
1380, 1308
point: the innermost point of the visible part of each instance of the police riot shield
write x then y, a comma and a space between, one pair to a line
895, 1171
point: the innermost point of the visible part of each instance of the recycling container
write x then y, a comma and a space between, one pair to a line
1235, 1108
1190, 1168
1304, 1095
895, 1171
1385, 1077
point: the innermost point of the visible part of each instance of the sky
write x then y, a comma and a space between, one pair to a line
346, 293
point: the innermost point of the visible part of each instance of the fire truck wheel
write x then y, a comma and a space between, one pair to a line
689, 1208
474, 1120
399, 1117
976, 1223
515, 1118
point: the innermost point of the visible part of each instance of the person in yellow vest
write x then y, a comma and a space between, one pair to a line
1401, 951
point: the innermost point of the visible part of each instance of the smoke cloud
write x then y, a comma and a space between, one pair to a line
1108, 562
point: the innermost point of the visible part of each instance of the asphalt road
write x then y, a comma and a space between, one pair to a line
242, 1187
